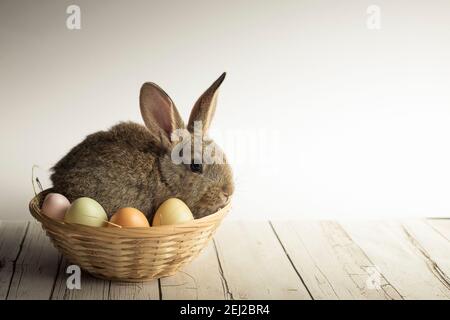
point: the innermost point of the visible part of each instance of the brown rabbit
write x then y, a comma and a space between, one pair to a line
132, 166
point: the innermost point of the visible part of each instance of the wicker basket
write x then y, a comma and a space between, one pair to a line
132, 254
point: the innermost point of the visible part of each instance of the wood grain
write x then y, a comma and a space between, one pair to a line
11, 238
432, 246
36, 267
330, 263
254, 264
200, 279
91, 288
134, 291
97, 289
398, 258
441, 226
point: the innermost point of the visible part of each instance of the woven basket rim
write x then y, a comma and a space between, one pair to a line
151, 232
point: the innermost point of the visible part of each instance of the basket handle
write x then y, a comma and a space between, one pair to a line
35, 181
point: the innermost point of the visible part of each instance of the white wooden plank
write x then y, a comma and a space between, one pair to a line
91, 288
200, 279
11, 238
432, 246
36, 267
134, 291
398, 259
254, 263
442, 226
330, 263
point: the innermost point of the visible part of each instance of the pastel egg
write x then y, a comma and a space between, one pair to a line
55, 206
130, 218
86, 211
172, 211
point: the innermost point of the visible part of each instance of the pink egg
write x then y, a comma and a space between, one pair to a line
55, 206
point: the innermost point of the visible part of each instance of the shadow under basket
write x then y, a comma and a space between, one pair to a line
129, 254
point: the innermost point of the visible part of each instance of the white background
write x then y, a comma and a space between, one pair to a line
321, 116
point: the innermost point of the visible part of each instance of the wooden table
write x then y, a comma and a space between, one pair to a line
258, 260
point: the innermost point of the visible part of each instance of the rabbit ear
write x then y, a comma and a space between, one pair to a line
205, 106
160, 115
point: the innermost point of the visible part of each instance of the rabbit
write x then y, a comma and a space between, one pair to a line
131, 165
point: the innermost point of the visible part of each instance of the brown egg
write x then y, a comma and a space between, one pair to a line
129, 218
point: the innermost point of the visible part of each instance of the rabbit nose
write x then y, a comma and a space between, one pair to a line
224, 197
227, 189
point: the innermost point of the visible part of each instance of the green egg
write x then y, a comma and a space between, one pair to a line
86, 211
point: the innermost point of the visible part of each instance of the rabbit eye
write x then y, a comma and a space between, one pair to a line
196, 167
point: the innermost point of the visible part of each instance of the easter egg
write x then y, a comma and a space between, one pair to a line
55, 206
130, 218
86, 211
172, 211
